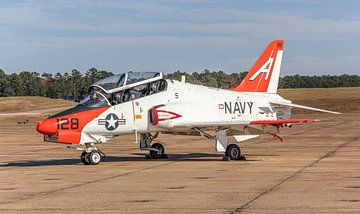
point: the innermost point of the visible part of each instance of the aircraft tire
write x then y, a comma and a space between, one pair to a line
85, 158
95, 157
233, 152
157, 154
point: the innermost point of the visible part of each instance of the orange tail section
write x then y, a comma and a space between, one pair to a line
265, 73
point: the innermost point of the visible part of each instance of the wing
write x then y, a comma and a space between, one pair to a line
235, 128
302, 107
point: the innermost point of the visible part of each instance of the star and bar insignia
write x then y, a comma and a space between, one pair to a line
111, 121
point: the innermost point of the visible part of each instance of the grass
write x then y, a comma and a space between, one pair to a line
23, 104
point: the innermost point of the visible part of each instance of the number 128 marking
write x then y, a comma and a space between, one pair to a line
66, 123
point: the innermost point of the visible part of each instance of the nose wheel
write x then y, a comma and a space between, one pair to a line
95, 157
84, 157
90, 158
91, 155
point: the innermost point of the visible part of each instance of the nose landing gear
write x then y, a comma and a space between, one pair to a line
91, 155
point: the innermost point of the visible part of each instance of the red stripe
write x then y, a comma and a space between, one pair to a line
122, 122
175, 115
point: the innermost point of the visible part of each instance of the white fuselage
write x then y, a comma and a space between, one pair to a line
194, 106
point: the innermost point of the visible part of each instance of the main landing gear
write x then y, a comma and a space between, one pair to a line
91, 155
233, 152
156, 150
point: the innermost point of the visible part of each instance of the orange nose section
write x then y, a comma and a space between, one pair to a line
47, 126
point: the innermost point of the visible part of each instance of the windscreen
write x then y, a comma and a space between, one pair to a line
95, 100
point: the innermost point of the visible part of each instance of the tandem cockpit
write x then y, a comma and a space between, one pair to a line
122, 88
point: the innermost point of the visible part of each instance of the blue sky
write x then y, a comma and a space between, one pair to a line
321, 37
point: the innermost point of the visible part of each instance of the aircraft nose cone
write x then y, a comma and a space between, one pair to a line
47, 126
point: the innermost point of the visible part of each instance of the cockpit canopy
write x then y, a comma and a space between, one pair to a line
120, 81
111, 82
123, 87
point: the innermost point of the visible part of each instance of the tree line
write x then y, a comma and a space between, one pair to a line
75, 84
72, 85
220, 79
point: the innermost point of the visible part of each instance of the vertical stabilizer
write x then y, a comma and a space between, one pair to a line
265, 73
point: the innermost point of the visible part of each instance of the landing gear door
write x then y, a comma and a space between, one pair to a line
140, 116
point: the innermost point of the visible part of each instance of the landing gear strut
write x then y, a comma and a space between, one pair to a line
156, 150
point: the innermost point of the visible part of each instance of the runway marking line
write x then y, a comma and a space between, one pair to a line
46, 193
313, 163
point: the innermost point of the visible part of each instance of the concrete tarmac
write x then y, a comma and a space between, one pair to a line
315, 170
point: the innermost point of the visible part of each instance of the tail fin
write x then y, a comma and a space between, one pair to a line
265, 73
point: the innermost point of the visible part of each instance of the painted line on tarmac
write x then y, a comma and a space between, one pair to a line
19, 113
322, 127
47, 193
300, 132
313, 163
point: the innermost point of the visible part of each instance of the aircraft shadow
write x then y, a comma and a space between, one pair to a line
76, 161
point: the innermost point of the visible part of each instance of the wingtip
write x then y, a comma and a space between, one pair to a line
335, 112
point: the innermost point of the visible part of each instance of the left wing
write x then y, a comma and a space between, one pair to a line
303, 107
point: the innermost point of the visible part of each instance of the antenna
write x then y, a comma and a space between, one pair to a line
182, 78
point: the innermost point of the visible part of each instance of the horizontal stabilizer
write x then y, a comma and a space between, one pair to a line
303, 107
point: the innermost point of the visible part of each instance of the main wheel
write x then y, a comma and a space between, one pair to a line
85, 158
158, 152
95, 157
233, 152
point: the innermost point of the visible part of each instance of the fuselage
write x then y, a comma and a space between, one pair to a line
177, 107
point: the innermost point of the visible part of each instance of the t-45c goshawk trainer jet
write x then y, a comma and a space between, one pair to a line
146, 104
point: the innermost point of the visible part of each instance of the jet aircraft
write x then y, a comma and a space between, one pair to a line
147, 104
